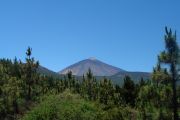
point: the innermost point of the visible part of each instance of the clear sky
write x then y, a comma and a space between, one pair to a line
124, 33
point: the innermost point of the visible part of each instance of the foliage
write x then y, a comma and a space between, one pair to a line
170, 56
28, 95
68, 106
65, 106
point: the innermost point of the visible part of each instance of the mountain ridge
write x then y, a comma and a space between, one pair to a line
98, 68
116, 74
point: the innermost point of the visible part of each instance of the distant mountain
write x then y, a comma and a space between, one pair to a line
47, 72
135, 76
98, 68
101, 69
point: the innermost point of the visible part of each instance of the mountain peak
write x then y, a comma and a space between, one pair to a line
98, 68
92, 58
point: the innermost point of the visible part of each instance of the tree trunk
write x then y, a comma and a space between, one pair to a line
174, 99
29, 92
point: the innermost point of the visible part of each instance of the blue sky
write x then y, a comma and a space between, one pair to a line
124, 33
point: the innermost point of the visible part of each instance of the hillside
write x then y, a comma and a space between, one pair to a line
44, 71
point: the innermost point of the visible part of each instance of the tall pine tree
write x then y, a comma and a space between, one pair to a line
30, 70
170, 57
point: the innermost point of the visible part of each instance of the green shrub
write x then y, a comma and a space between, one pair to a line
65, 106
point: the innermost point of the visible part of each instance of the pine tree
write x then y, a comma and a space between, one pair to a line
89, 76
160, 75
106, 91
70, 78
170, 57
30, 70
129, 91
142, 82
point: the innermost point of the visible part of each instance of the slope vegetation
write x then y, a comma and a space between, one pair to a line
68, 106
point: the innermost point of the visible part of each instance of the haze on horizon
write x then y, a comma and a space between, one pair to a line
125, 34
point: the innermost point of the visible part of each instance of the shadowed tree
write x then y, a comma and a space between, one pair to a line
129, 91
89, 76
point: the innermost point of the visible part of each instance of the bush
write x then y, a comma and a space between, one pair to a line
65, 106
